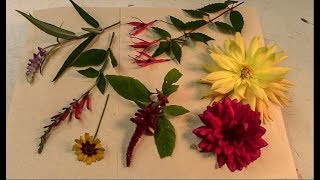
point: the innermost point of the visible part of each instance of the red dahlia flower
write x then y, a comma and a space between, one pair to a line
232, 131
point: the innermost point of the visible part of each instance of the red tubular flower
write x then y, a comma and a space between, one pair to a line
88, 102
146, 62
143, 43
139, 27
233, 132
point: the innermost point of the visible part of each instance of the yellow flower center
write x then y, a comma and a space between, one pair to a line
246, 72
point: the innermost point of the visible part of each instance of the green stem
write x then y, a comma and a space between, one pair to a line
104, 108
111, 39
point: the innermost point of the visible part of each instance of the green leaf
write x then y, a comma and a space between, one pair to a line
175, 110
49, 28
167, 86
140, 104
89, 72
101, 83
176, 50
92, 30
236, 20
195, 13
200, 37
85, 16
92, 57
225, 27
212, 8
129, 88
114, 61
195, 24
163, 46
75, 53
228, 2
177, 23
164, 137
161, 32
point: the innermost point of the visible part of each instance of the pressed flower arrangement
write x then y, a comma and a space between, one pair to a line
243, 84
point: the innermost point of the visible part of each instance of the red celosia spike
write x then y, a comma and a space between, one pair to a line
88, 102
134, 139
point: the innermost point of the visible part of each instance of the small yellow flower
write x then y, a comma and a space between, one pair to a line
249, 76
87, 149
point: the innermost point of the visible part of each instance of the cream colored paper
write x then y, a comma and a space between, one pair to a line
33, 105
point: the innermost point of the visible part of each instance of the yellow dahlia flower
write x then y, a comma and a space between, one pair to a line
251, 75
87, 149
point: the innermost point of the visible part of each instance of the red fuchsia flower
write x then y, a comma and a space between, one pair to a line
233, 132
146, 121
143, 43
148, 61
139, 27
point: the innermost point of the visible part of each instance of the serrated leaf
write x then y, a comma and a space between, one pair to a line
91, 57
85, 16
195, 24
129, 88
175, 110
164, 137
212, 8
176, 50
177, 23
114, 61
49, 28
171, 77
101, 83
92, 30
236, 20
225, 27
161, 32
163, 46
200, 37
75, 53
228, 2
89, 72
195, 13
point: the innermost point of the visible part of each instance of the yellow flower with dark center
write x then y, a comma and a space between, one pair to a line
87, 149
250, 76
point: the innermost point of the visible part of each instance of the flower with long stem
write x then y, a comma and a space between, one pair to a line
88, 149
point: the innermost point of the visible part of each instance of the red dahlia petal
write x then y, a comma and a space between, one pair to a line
221, 160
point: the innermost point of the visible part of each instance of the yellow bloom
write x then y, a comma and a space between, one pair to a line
250, 76
87, 149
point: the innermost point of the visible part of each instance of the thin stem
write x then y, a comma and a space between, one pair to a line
104, 108
111, 39
51, 46
111, 26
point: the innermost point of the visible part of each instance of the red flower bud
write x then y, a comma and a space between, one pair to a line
88, 102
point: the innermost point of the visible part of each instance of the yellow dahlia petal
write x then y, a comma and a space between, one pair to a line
257, 90
222, 82
219, 98
251, 99
240, 42
278, 86
273, 98
272, 74
240, 90
211, 67
236, 53
216, 49
226, 47
279, 57
254, 45
225, 62
218, 75
225, 87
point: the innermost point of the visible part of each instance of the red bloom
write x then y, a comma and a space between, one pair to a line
146, 121
146, 62
232, 131
139, 27
143, 43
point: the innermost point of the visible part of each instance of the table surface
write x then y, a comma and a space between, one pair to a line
281, 23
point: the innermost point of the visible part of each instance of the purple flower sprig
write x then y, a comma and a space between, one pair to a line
35, 63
